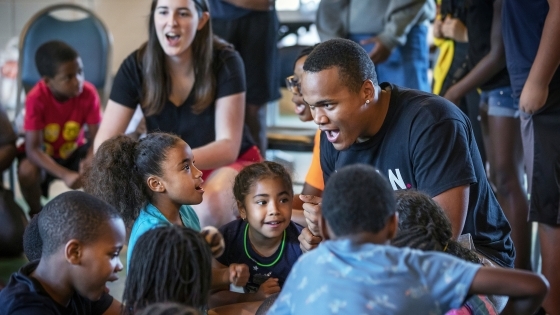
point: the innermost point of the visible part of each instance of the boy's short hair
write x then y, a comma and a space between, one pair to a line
32, 243
357, 199
73, 215
353, 62
51, 54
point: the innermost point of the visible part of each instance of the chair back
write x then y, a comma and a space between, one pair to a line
87, 35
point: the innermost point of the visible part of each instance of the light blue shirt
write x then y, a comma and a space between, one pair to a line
340, 277
150, 217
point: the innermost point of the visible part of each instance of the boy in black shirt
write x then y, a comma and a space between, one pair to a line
82, 237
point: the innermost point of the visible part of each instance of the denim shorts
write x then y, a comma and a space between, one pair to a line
500, 102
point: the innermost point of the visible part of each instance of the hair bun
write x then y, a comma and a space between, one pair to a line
214, 239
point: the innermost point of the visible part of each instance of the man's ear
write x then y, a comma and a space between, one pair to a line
155, 184
368, 90
242, 211
73, 251
392, 226
324, 229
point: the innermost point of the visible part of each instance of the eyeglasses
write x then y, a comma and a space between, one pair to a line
293, 85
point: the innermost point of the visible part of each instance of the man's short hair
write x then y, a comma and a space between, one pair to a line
353, 62
357, 199
51, 55
73, 215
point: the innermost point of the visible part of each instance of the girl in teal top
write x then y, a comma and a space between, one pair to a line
151, 181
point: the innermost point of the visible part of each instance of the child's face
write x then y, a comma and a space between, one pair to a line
68, 81
268, 208
100, 260
302, 110
181, 179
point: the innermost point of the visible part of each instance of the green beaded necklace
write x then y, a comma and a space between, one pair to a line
253, 259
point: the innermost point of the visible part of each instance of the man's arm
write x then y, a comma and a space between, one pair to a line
535, 91
455, 202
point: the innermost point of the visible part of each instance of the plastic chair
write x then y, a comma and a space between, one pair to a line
88, 35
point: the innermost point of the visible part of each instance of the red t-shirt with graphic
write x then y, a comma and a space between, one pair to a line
61, 123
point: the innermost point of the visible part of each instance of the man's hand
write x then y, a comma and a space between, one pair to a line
312, 212
379, 53
238, 274
269, 287
308, 241
72, 180
533, 97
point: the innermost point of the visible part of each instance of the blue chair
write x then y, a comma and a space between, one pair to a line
88, 35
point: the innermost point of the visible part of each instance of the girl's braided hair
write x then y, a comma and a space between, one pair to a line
424, 225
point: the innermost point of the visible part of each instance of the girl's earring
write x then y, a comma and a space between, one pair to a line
244, 218
367, 102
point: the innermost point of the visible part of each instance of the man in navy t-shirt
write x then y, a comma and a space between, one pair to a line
416, 139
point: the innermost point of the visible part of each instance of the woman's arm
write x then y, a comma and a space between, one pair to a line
115, 120
230, 118
486, 68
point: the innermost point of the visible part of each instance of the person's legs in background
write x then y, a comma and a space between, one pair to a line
540, 134
407, 65
506, 168
255, 38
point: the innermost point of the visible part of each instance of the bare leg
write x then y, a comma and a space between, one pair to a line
549, 237
29, 176
218, 206
507, 165
255, 118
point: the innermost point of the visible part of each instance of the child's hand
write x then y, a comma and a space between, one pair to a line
238, 274
72, 180
269, 287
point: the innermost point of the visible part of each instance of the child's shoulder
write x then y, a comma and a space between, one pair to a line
24, 294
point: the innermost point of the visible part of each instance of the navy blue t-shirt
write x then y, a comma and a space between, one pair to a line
25, 295
522, 26
234, 253
427, 143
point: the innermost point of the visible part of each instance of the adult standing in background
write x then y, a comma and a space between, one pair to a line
192, 84
530, 30
394, 33
252, 27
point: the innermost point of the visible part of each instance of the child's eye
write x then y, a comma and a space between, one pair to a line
186, 167
284, 200
162, 12
262, 202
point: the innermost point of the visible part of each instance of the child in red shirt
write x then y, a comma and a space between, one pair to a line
57, 108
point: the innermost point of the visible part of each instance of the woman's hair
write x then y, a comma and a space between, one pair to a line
168, 308
423, 225
157, 82
120, 168
168, 264
255, 172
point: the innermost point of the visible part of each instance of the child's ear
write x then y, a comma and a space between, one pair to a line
392, 226
155, 184
73, 251
242, 211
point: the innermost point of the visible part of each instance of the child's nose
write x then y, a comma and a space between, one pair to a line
119, 266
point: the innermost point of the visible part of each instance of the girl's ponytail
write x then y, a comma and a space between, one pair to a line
113, 178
